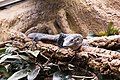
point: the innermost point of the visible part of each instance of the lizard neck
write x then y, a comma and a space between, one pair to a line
47, 37
58, 39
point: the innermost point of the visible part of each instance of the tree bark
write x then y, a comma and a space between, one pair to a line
96, 60
107, 42
102, 61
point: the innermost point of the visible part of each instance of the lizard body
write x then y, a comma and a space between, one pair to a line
73, 41
70, 40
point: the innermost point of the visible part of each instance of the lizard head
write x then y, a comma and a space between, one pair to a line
73, 41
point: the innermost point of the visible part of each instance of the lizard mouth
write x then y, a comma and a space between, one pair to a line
67, 45
72, 46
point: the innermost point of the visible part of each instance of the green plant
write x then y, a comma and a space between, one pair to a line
111, 30
17, 64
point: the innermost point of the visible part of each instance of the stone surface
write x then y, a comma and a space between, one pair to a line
68, 16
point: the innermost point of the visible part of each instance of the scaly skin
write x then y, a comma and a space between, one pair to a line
62, 39
73, 41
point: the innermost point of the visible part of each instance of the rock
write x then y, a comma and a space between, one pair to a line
68, 16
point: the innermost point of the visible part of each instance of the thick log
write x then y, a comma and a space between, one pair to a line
107, 42
105, 62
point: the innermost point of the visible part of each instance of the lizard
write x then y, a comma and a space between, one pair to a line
73, 41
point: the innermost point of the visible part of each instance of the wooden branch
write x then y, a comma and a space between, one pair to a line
107, 42
101, 60
2, 44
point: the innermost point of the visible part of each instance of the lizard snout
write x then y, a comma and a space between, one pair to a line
67, 44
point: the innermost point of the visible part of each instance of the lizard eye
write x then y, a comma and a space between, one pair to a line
72, 40
77, 39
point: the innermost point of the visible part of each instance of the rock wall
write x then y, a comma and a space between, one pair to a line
55, 16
